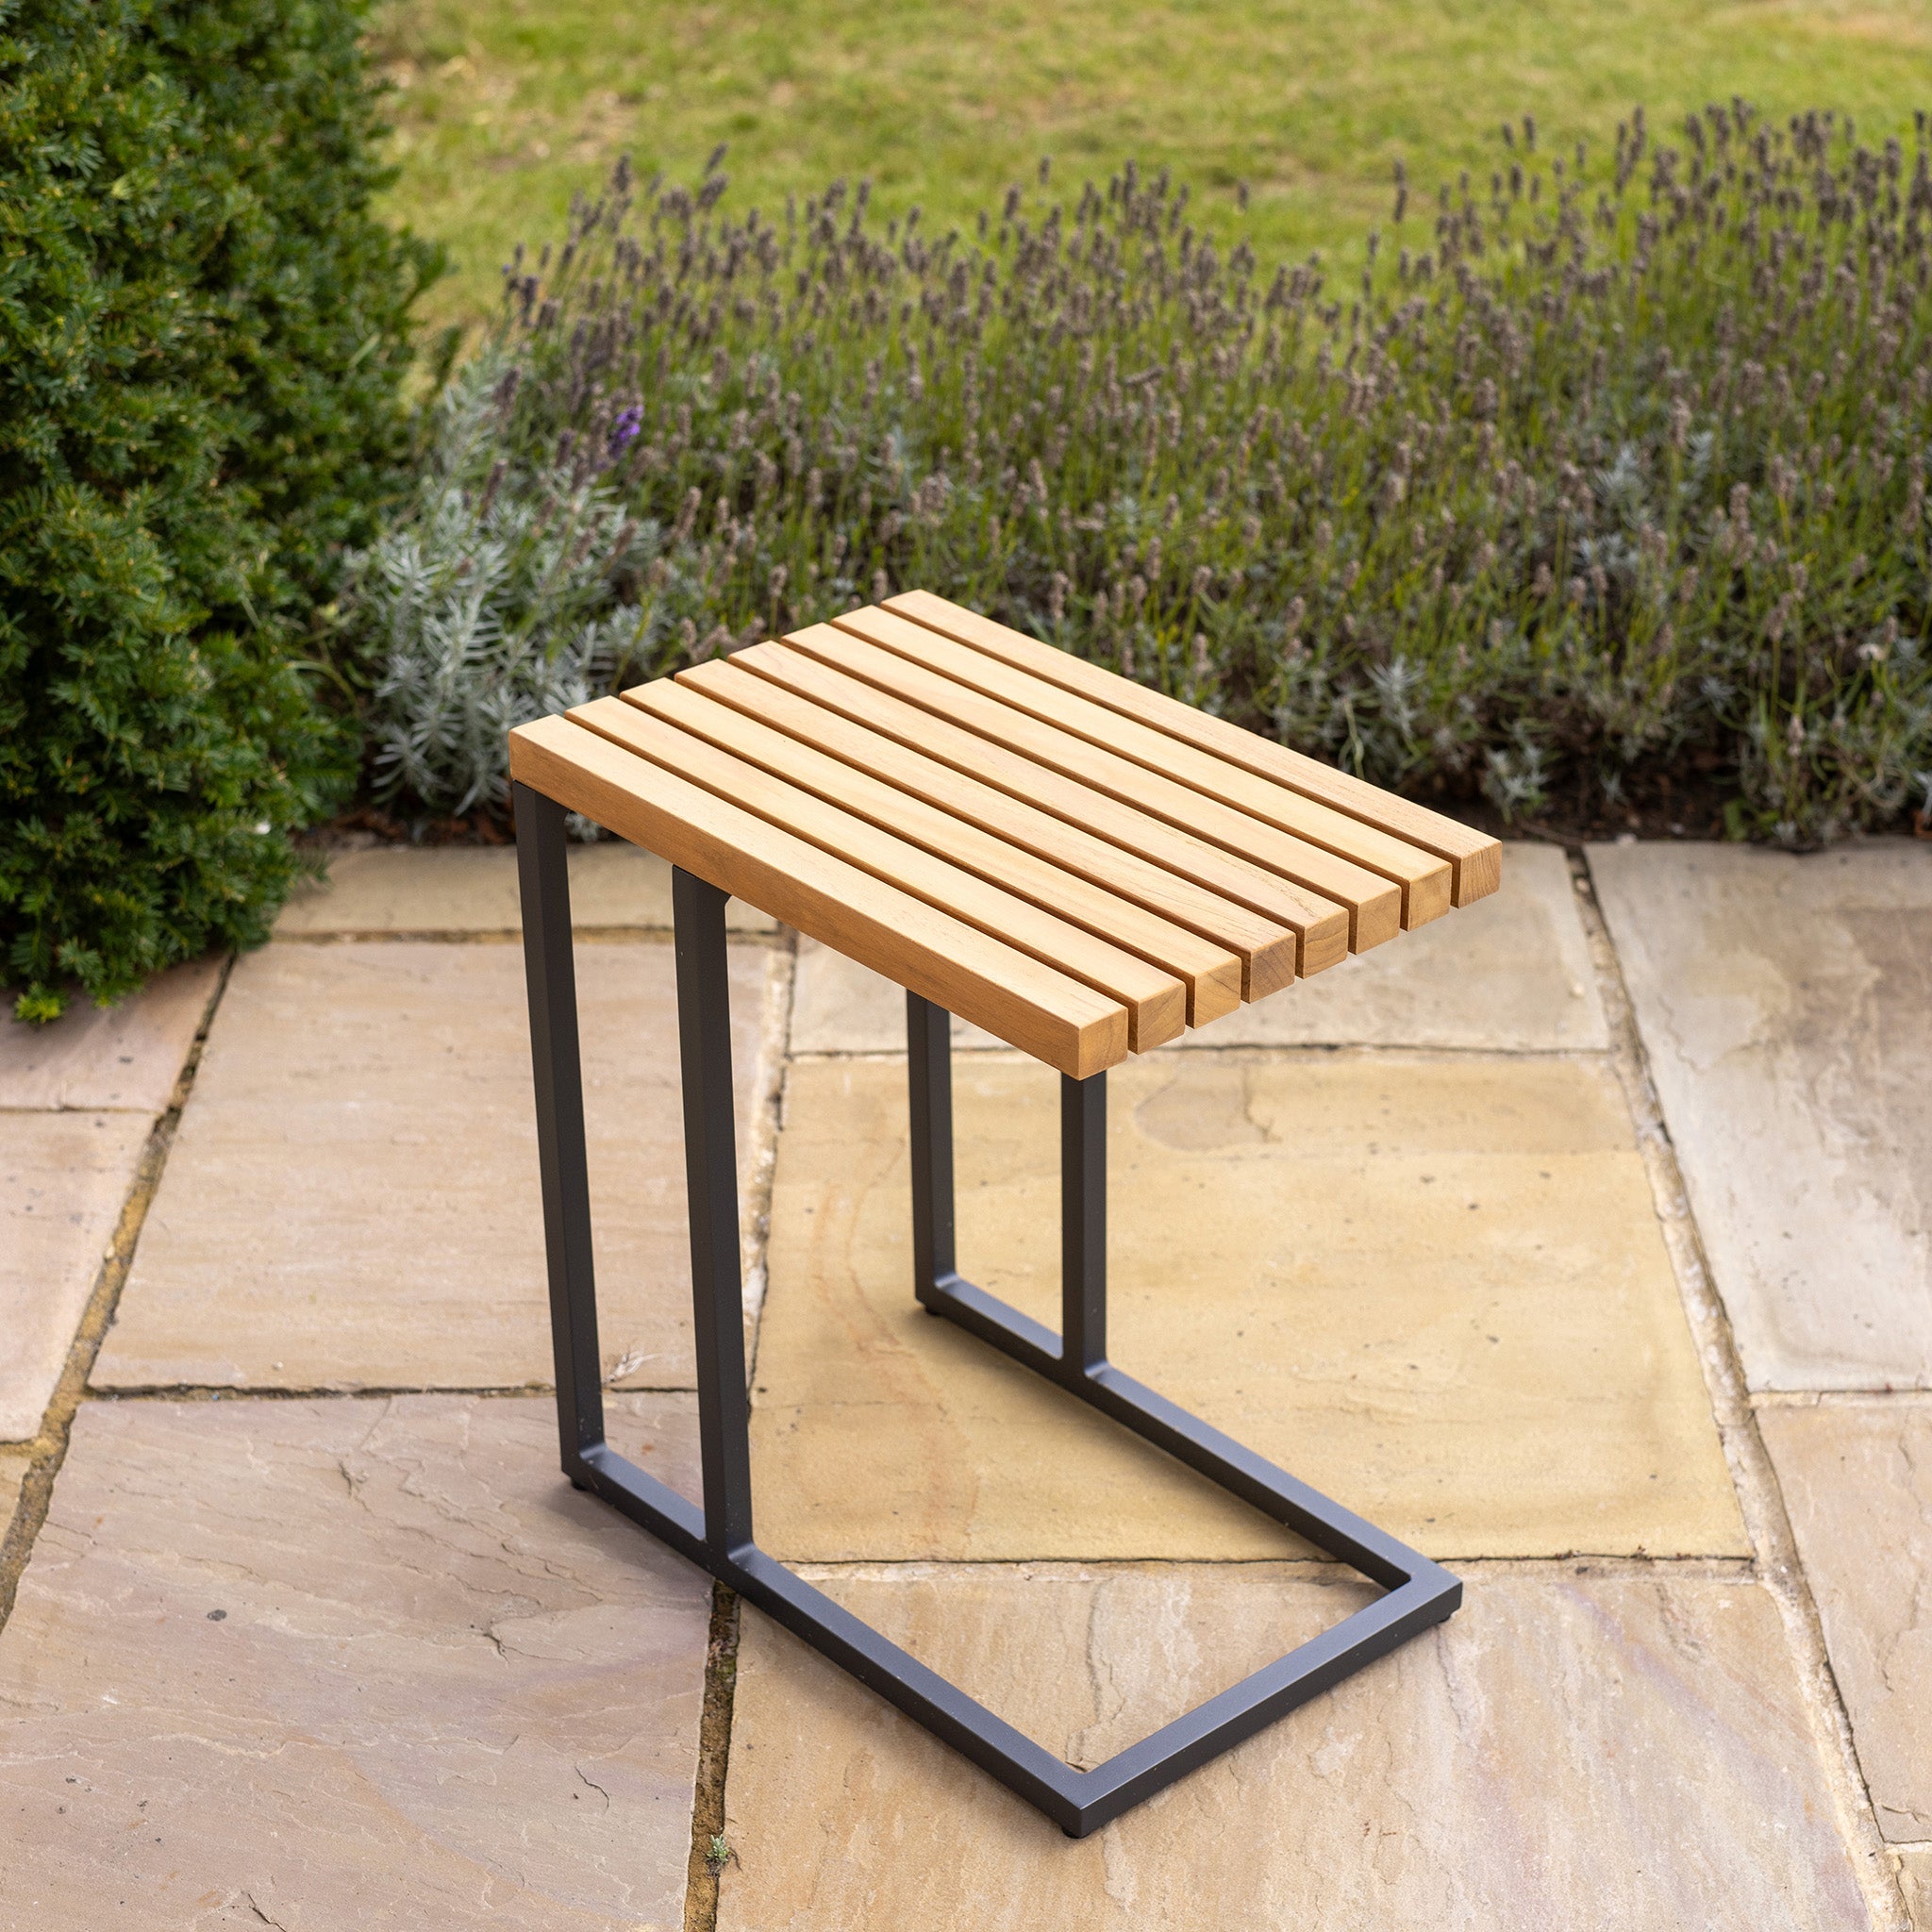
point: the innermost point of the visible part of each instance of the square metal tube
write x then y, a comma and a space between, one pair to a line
718, 1534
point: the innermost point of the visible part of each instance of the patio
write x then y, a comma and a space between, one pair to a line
1608, 1277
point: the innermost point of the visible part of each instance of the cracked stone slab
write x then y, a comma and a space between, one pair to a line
352, 1200
1594, 1752
1786, 1005
65, 1179
472, 888
1434, 1288
1856, 1476
96, 1059
320, 1664
1511, 972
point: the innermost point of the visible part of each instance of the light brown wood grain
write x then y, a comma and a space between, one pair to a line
1373, 904
1156, 1001
1210, 974
1041, 1011
1423, 878
1475, 858
1251, 913
1264, 951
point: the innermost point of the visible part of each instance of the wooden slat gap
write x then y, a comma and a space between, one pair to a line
1374, 903
1424, 879
1156, 1001
1209, 974
1474, 856
1255, 914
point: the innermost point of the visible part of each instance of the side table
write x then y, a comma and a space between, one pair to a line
1078, 864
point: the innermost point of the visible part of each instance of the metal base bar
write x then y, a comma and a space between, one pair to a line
717, 1535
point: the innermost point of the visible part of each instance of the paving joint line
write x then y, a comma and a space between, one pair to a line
1176, 1050
1821, 1398
44, 1112
269, 1391
775, 1039
1754, 1479
1614, 1564
705, 1866
512, 936
709, 1852
47, 1451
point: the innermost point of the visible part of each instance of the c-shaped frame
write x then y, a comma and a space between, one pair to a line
718, 1534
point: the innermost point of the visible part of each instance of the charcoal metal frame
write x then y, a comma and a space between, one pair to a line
717, 1535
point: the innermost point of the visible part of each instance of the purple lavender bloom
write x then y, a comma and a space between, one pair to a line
625, 431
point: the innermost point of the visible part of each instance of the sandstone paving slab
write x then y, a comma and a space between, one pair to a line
1915, 1874
333, 1663
1856, 1476
1511, 972
65, 1179
96, 1059
472, 888
1598, 1753
1432, 1287
352, 1200
1786, 1004
839, 1006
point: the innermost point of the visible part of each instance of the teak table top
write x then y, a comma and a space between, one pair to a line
1077, 863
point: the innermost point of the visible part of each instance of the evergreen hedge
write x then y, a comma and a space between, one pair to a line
203, 335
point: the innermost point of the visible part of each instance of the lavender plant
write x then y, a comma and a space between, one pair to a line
502, 592
1605, 471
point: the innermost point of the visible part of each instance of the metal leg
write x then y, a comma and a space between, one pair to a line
1083, 1226
543, 878
930, 1080
710, 1169
718, 1535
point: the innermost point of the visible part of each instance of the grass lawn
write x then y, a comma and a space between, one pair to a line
507, 107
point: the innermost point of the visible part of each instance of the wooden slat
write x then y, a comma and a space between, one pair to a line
1249, 911
1054, 1018
1278, 902
1212, 975
1475, 858
1423, 879
1373, 904
1156, 1001
1264, 951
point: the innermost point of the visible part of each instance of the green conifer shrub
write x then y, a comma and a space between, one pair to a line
203, 335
